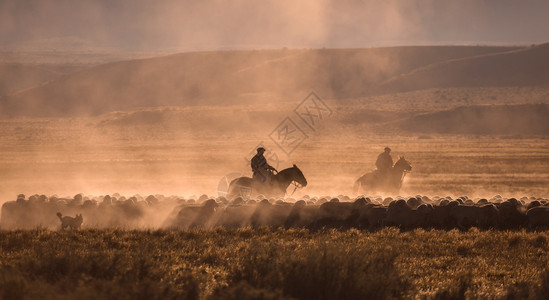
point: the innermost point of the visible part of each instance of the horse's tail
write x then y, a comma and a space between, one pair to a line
230, 189
239, 187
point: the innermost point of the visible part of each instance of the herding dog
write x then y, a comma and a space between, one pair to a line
73, 223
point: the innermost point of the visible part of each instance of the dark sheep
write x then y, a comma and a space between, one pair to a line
469, 202
440, 217
270, 215
401, 215
237, 201
444, 202
203, 198
321, 201
371, 217
338, 215
191, 216
236, 216
152, 200
512, 214
538, 217
88, 204
483, 217
301, 215
482, 202
533, 204
387, 201
414, 202
205, 213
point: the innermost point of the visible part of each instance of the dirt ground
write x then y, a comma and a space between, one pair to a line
71, 156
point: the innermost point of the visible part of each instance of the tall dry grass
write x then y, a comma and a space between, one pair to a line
262, 264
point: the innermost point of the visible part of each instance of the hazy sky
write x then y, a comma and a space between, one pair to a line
197, 24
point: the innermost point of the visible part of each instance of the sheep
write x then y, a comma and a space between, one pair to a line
204, 215
403, 216
190, 217
270, 215
301, 215
236, 215
538, 217
512, 214
339, 215
466, 216
371, 216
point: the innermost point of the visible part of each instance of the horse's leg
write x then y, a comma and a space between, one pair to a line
392, 181
278, 190
278, 186
357, 186
373, 182
369, 183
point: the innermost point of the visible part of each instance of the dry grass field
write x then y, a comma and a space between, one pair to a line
260, 264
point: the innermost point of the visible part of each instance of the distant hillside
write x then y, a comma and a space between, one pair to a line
16, 76
228, 78
529, 119
522, 67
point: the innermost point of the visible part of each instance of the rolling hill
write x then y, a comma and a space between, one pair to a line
16, 76
529, 119
522, 67
238, 77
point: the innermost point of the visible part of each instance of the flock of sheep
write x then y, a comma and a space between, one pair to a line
98, 212
313, 213
365, 213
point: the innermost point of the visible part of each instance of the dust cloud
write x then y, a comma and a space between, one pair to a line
245, 24
175, 125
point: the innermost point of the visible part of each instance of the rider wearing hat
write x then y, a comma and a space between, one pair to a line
260, 168
384, 161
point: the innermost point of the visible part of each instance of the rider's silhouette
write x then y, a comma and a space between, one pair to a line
384, 162
260, 167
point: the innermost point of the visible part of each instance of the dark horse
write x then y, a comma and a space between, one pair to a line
246, 187
374, 181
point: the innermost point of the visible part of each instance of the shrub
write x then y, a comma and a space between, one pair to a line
457, 290
322, 270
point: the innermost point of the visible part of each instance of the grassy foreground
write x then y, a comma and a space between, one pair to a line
260, 264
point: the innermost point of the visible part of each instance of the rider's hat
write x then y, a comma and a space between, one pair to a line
387, 149
260, 149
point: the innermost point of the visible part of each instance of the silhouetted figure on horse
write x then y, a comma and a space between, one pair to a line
266, 180
384, 162
262, 171
387, 178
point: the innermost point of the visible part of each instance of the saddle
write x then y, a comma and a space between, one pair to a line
259, 185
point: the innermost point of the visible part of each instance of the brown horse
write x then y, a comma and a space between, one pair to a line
246, 187
390, 183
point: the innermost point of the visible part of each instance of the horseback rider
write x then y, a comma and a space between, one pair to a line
262, 171
384, 162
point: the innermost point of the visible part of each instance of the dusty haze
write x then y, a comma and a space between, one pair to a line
104, 97
244, 24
